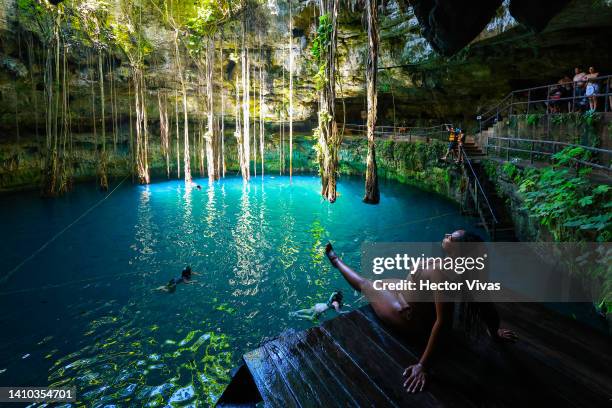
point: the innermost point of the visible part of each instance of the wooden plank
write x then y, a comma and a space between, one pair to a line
331, 382
382, 369
304, 382
463, 390
355, 360
269, 381
477, 376
348, 375
561, 333
450, 393
574, 351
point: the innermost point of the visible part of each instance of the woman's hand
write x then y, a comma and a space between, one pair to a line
415, 378
505, 336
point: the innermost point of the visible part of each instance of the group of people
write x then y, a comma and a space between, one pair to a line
456, 137
399, 309
581, 90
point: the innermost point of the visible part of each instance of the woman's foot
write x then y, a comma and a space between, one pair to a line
331, 255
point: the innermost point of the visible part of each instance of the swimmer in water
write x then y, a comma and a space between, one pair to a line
335, 302
185, 278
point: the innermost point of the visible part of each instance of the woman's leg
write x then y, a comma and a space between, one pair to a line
304, 314
352, 277
303, 311
385, 304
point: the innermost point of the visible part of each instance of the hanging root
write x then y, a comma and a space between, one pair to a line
102, 170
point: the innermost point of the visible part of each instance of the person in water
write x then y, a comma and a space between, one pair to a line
185, 278
417, 318
335, 302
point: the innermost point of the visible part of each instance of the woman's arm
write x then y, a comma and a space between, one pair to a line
415, 374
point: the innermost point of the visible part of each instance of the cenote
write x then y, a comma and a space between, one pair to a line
144, 139
82, 311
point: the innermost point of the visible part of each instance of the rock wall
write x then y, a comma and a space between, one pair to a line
416, 85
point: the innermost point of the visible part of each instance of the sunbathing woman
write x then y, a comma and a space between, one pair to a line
396, 309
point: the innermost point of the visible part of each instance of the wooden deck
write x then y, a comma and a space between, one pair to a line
355, 361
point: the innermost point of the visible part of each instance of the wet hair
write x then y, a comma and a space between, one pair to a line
469, 314
337, 297
467, 236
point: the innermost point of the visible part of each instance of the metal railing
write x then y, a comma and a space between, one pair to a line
539, 100
403, 133
551, 98
475, 189
597, 158
481, 202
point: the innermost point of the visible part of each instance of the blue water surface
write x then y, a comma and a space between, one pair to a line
81, 309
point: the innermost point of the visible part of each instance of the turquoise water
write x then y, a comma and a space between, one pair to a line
81, 311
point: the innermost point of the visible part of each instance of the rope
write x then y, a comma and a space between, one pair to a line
59, 285
46, 244
425, 219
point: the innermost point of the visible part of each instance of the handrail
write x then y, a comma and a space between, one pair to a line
553, 142
405, 132
467, 160
532, 151
442, 126
478, 189
515, 95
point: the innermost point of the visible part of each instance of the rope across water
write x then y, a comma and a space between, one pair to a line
5, 278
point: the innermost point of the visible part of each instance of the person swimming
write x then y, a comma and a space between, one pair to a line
335, 301
185, 278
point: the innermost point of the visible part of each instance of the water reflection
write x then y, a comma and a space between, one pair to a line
259, 249
246, 270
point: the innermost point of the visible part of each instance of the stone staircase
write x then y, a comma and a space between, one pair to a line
472, 149
499, 224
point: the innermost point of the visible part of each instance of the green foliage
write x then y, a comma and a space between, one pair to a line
509, 170
322, 37
533, 118
571, 154
490, 169
559, 119
210, 14
37, 16
320, 78
590, 117
568, 205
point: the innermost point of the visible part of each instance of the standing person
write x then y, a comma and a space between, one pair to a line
452, 142
592, 88
579, 85
460, 139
